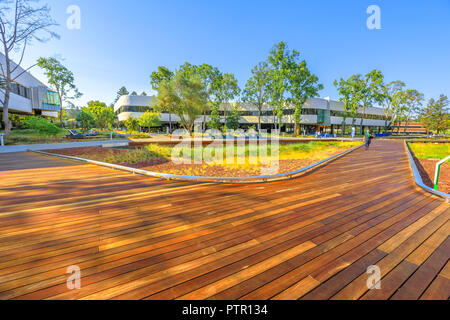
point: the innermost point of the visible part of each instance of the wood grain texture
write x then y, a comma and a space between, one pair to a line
135, 237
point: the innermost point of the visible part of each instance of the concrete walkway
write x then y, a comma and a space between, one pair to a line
64, 145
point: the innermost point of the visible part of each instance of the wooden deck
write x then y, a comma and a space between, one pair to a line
136, 237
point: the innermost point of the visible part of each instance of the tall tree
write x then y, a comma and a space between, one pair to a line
213, 80
162, 74
122, 92
256, 90
389, 91
167, 99
370, 89
349, 97
280, 60
21, 22
191, 96
161, 82
435, 115
62, 81
399, 108
134, 93
226, 89
303, 85
414, 101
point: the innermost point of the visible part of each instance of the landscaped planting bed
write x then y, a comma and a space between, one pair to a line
426, 156
158, 158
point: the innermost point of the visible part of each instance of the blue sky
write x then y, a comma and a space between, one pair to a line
121, 42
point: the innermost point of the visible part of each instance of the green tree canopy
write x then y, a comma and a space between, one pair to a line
256, 90
103, 115
62, 81
122, 92
434, 116
149, 119
132, 124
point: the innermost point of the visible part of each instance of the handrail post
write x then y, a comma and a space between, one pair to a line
438, 171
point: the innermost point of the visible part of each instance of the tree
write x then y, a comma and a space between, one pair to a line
414, 103
144, 94
256, 89
103, 115
212, 78
131, 124
21, 22
370, 90
389, 91
134, 93
232, 119
161, 82
399, 107
280, 60
157, 77
86, 119
214, 119
225, 89
303, 85
149, 119
435, 115
122, 92
62, 81
189, 93
348, 96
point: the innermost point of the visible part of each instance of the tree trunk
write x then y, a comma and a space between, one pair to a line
259, 122
6, 120
170, 122
61, 112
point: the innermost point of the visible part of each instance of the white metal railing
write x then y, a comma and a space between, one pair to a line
437, 172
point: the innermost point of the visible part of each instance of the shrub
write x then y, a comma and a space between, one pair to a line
41, 125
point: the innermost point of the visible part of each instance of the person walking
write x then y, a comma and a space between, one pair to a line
368, 139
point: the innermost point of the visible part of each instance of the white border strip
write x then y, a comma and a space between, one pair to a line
167, 176
418, 178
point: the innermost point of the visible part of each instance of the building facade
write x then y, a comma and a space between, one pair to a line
318, 114
28, 94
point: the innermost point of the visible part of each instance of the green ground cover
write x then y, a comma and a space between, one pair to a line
430, 150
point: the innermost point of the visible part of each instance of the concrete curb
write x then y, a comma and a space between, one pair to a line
229, 180
418, 178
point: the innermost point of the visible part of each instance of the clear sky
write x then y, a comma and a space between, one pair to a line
121, 42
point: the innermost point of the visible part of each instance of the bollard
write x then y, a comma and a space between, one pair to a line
111, 135
1, 138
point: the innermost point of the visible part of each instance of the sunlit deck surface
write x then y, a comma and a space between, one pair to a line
136, 237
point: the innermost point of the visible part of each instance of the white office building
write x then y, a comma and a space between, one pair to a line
317, 115
29, 95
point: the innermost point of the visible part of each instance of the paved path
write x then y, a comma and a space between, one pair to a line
63, 145
141, 238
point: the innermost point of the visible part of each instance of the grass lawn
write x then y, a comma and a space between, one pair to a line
248, 160
30, 136
430, 150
